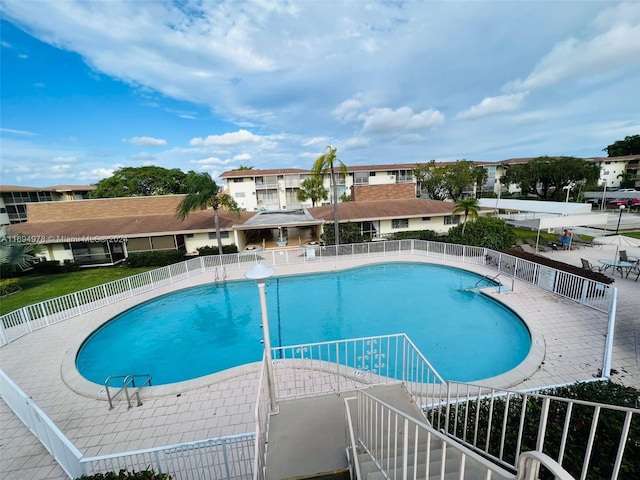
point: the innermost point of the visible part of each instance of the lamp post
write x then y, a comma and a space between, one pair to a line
260, 272
622, 207
604, 194
568, 189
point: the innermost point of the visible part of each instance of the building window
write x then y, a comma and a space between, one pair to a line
426, 219
223, 235
400, 223
372, 174
361, 178
238, 180
452, 220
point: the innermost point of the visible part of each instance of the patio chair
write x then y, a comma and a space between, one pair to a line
532, 244
635, 270
625, 258
587, 265
528, 248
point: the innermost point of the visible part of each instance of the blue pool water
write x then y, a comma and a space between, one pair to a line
206, 329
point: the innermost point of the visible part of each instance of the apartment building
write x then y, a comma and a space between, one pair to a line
14, 199
277, 189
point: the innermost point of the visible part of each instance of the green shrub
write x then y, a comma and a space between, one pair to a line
9, 285
207, 250
414, 235
349, 233
154, 259
125, 475
484, 232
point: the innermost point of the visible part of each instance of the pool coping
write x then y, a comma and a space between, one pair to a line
80, 385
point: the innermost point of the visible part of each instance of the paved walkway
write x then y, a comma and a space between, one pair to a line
571, 348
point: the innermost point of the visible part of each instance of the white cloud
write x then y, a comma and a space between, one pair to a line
348, 110
96, 174
242, 157
146, 141
355, 143
493, 105
16, 132
315, 141
211, 161
64, 159
234, 138
386, 120
577, 57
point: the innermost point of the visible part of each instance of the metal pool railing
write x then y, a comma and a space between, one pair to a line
20, 322
345, 365
582, 436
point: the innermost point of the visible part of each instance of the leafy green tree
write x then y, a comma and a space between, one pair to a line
470, 208
457, 177
349, 233
242, 168
484, 232
629, 146
414, 234
202, 190
16, 254
312, 189
141, 181
329, 162
430, 180
546, 176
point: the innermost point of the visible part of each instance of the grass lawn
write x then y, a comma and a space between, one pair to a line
36, 288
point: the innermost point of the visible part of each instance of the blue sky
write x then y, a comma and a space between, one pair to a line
88, 87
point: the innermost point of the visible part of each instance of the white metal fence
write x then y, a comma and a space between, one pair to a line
227, 458
56, 443
344, 365
581, 436
574, 287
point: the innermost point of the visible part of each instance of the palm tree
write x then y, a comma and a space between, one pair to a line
202, 190
14, 254
312, 189
328, 161
470, 208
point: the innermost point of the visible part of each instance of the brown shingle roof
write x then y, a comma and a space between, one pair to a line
375, 210
126, 226
117, 217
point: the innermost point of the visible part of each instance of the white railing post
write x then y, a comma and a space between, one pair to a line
608, 349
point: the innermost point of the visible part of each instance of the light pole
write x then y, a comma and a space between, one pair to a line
604, 194
622, 207
260, 273
568, 189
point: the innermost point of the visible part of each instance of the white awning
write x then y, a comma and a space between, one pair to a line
536, 206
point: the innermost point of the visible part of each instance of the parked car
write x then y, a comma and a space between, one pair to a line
630, 202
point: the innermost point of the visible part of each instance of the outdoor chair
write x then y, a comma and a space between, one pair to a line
587, 265
532, 244
625, 258
635, 270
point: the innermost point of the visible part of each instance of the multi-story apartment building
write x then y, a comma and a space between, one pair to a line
14, 199
277, 189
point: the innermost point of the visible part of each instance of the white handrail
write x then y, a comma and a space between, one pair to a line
529, 464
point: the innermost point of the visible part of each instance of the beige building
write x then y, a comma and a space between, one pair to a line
14, 199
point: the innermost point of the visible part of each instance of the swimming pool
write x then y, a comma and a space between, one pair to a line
207, 329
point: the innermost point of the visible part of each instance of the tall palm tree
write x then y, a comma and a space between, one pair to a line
312, 189
202, 190
328, 162
14, 254
470, 207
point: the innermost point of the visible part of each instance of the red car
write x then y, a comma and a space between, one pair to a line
632, 202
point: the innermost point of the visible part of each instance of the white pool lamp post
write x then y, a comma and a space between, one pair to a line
260, 272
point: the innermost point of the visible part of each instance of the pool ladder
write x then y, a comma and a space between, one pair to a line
490, 281
128, 381
222, 275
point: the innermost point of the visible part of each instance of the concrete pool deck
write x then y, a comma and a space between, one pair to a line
220, 405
